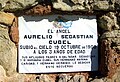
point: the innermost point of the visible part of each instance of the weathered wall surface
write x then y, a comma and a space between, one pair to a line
108, 19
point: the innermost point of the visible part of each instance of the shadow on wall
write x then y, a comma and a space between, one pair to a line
60, 17
94, 58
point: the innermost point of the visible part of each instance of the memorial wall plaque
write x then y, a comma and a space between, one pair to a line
57, 43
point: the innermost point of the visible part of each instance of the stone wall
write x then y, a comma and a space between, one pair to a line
108, 19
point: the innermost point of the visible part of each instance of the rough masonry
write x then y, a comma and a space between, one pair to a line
108, 20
